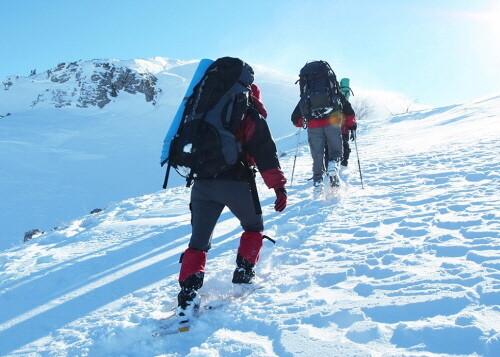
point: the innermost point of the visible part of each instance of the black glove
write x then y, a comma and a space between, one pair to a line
281, 198
296, 115
352, 129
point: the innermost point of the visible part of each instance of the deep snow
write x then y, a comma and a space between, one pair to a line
408, 266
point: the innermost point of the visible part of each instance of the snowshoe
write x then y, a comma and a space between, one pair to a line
180, 321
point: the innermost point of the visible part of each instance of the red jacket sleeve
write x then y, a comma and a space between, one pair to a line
260, 148
350, 120
258, 143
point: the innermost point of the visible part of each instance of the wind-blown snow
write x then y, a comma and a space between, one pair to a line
408, 266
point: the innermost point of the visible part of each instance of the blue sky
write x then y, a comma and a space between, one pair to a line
436, 52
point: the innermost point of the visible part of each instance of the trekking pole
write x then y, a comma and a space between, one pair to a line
359, 165
295, 158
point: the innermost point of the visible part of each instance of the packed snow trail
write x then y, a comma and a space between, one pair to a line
409, 266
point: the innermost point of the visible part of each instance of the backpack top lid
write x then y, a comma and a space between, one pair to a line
232, 68
315, 75
220, 77
319, 94
316, 67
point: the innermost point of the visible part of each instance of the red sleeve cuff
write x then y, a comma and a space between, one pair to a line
350, 120
299, 123
274, 178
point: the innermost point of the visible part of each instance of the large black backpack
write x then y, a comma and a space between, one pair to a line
319, 91
205, 143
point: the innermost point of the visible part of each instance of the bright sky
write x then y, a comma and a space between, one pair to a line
435, 52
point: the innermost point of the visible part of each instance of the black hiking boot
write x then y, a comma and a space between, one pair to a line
189, 303
188, 299
333, 172
244, 272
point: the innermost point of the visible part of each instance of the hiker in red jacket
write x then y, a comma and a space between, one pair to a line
232, 188
327, 133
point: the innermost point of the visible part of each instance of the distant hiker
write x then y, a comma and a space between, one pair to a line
320, 111
350, 125
233, 187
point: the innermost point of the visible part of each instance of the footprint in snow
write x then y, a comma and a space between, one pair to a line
415, 311
468, 340
476, 177
364, 332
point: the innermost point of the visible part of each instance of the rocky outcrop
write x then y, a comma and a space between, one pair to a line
29, 235
93, 83
7, 83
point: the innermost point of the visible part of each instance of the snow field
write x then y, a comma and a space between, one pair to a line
409, 266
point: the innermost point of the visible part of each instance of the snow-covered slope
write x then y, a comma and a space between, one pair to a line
84, 134
87, 133
408, 266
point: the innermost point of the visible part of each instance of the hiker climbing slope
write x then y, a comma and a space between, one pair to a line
320, 111
222, 137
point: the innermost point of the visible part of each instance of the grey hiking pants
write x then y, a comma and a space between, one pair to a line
330, 135
208, 199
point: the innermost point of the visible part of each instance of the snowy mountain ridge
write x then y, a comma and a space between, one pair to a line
98, 82
85, 84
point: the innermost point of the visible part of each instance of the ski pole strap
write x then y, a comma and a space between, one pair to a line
167, 173
268, 238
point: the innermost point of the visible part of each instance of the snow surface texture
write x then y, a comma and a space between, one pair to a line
409, 266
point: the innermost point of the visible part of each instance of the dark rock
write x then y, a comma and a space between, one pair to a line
96, 210
7, 83
32, 234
